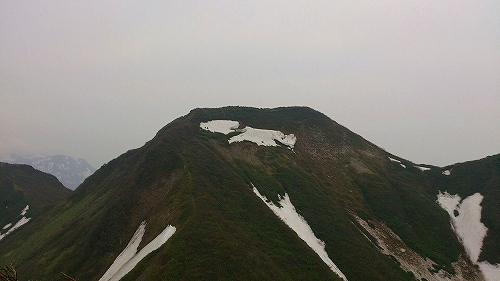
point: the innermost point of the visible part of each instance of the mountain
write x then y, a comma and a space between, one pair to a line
471, 178
241, 193
25, 193
70, 171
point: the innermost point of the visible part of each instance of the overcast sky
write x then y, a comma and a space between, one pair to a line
93, 79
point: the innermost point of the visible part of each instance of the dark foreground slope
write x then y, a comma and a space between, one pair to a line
22, 185
193, 179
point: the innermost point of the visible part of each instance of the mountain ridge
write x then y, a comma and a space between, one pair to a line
25, 193
69, 170
198, 182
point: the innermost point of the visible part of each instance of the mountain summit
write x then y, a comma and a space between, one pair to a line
241, 193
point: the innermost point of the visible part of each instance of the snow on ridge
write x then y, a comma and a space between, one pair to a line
6, 226
468, 227
264, 137
288, 214
258, 136
397, 161
129, 257
422, 168
394, 160
220, 126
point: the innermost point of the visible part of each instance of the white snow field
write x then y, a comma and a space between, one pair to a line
264, 137
129, 257
18, 224
259, 136
397, 161
490, 271
23, 212
467, 224
220, 126
297, 223
469, 228
422, 168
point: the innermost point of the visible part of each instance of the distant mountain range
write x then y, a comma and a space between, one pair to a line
240, 193
71, 172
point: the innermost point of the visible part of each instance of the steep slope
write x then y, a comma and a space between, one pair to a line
470, 193
24, 194
267, 194
70, 171
480, 176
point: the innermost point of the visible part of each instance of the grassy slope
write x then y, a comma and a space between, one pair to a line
22, 185
165, 183
323, 202
195, 181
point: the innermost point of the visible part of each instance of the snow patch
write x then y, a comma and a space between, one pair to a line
397, 161
288, 214
448, 202
447, 172
422, 168
467, 224
6, 226
129, 257
23, 212
259, 136
220, 126
264, 137
491, 271
394, 160
468, 227
18, 224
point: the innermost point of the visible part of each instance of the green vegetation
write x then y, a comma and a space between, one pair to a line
21, 185
9, 273
40, 189
197, 182
12, 201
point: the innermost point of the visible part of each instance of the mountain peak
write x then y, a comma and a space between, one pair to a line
257, 194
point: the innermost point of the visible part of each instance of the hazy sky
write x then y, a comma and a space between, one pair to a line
92, 79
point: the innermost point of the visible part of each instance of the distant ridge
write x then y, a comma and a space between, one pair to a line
71, 172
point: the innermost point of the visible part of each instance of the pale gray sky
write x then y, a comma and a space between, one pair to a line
92, 79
